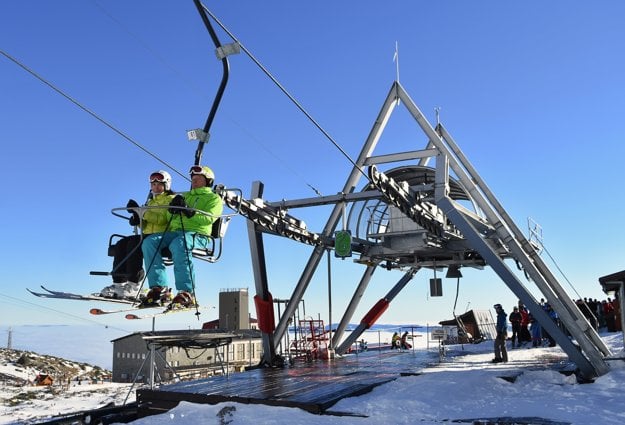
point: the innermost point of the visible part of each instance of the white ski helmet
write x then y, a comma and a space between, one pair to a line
161, 176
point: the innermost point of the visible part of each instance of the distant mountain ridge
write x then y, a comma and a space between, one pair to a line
20, 368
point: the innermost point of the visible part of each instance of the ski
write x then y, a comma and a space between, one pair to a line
101, 312
137, 306
72, 296
133, 316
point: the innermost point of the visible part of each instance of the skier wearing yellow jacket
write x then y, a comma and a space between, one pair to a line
188, 229
127, 256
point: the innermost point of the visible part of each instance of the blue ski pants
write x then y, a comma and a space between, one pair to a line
180, 244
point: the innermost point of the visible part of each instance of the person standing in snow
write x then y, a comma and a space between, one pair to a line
536, 330
554, 316
524, 334
515, 321
501, 355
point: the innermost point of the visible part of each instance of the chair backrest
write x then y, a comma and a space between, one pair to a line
216, 228
213, 251
115, 237
220, 226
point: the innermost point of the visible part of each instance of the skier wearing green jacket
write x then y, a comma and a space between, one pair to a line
191, 218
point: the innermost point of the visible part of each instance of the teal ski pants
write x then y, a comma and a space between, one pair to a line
180, 244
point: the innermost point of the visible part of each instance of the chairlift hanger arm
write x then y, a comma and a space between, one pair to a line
222, 85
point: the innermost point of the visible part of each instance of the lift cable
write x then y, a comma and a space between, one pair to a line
291, 98
147, 151
560, 270
536, 235
93, 114
196, 90
193, 88
285, 164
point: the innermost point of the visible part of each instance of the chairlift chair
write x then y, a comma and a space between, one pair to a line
210, 254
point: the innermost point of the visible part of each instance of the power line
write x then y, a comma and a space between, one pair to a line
147, 151
90, 112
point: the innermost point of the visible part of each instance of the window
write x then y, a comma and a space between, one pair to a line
240, 351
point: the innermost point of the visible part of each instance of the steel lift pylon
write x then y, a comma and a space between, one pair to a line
408, 217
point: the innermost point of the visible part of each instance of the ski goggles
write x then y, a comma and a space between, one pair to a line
196, 169
157, 178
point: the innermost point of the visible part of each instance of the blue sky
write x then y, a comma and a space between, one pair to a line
533, 92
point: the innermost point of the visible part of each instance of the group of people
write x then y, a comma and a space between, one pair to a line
179, 222
400, 342
602, 314
526, 329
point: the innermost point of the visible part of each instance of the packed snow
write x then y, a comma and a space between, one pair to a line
464, 387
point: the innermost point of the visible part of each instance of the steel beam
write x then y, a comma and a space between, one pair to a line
259, 267
527, 255
353, 304
513, 238
335, 215
390, 296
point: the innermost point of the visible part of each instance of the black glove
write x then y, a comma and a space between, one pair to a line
178, 201
134, 218
189, 213
131, 204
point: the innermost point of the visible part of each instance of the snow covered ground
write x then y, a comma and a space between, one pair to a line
31, 404
464, 386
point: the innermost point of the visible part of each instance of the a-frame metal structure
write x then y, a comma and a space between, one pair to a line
409, 217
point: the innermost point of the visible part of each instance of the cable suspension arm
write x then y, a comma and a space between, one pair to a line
222, 86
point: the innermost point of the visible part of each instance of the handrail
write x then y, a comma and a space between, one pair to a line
141, 210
